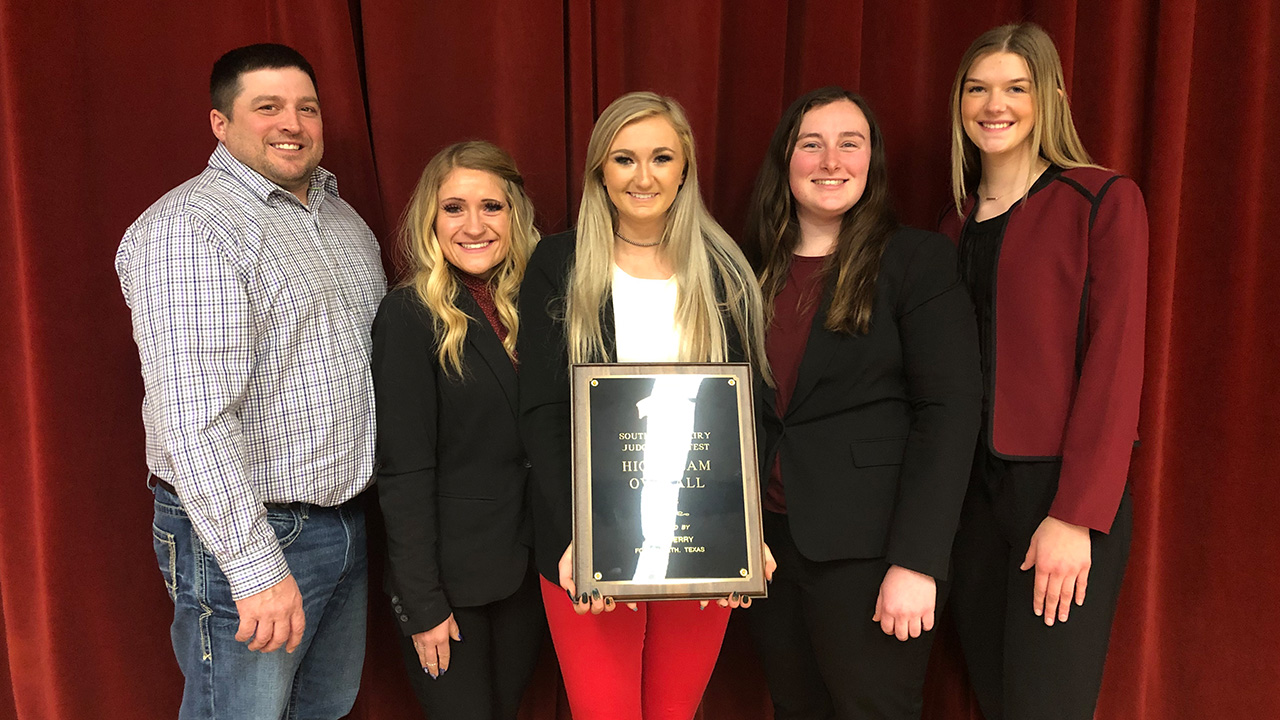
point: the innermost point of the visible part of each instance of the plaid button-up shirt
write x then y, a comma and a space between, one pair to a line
251, 312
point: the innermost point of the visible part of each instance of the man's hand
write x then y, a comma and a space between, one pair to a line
905, 605
433, 646
272, 618
1061, 555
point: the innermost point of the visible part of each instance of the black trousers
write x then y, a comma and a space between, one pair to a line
822, 655
490, 668
1022, 669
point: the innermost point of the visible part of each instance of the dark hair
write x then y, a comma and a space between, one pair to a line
772, 228
224, 81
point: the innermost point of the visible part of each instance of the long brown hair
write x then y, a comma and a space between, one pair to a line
773, 231
430, 274
1054, 133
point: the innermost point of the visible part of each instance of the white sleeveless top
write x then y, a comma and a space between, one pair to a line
644, 318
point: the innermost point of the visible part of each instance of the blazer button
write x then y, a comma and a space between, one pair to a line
399, 609
404, 618
395, 599
527, 464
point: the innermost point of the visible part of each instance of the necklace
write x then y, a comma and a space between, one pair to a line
1036, 170
637, 244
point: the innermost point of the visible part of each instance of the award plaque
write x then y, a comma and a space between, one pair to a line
666, 495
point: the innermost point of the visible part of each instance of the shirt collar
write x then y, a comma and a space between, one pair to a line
223, 160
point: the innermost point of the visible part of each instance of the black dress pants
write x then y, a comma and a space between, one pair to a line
490, 668
1022, 669
822, 655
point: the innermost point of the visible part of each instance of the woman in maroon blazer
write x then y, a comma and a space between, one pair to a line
1053, 249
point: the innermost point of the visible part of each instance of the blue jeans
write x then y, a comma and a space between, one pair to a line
325, 549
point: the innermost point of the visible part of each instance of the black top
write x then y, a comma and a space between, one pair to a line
544, 392
451, 468
877, 440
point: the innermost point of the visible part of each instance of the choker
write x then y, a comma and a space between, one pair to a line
637, 244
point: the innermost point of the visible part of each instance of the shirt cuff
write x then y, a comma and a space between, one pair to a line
255, 571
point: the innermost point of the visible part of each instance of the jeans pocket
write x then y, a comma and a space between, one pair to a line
287, 525
167, 559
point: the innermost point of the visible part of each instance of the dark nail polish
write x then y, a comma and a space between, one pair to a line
459, 636
426, 670
733, 596
635, 609
584, 599
595, 594
571, 597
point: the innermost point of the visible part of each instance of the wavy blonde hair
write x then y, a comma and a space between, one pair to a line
707, 261
1053, 134
430, 274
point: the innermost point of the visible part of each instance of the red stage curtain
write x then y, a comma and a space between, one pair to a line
103, 107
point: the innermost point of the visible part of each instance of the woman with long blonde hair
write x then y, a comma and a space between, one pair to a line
1053, 249
451, 470
647, 276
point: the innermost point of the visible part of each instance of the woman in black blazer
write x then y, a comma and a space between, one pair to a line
868, 439
452, 470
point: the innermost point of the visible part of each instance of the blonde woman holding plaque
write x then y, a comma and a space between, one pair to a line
647, 276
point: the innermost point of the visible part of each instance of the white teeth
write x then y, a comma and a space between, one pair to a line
996, 126
643, 196
831, 183
287, 146
475, 246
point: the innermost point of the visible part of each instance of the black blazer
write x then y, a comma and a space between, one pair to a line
544, 392
878, 438
451, 468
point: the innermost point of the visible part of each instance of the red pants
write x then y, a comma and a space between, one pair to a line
652, 664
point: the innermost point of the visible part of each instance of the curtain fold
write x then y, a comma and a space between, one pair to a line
103, 108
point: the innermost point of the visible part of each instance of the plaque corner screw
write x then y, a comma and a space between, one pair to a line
595, 383
743, 572
598, 575
732, 381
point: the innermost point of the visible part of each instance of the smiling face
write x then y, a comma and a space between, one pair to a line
473, 221
642, 172
275, 127
997, 107
829, 162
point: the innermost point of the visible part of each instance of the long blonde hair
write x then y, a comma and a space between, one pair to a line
430, 274
1053, 133
707, 261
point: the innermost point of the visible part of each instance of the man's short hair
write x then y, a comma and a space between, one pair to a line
224, 82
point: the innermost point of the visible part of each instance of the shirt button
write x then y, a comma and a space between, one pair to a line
404, 618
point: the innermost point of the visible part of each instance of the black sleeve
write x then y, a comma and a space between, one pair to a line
544, 397
944, 384
404, 381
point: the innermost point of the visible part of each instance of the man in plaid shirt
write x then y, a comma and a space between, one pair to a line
252, 289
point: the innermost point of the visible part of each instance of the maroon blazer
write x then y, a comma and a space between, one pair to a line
1070, 314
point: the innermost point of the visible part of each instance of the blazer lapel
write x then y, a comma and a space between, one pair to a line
482, 338
817, 354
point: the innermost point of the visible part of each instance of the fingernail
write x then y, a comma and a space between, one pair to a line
444, 670
595, 594
426, 670
459, 636
584, 599
571, 597
635, 609
701, 606
733, 596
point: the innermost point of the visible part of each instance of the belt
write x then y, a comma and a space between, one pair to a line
162, 483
